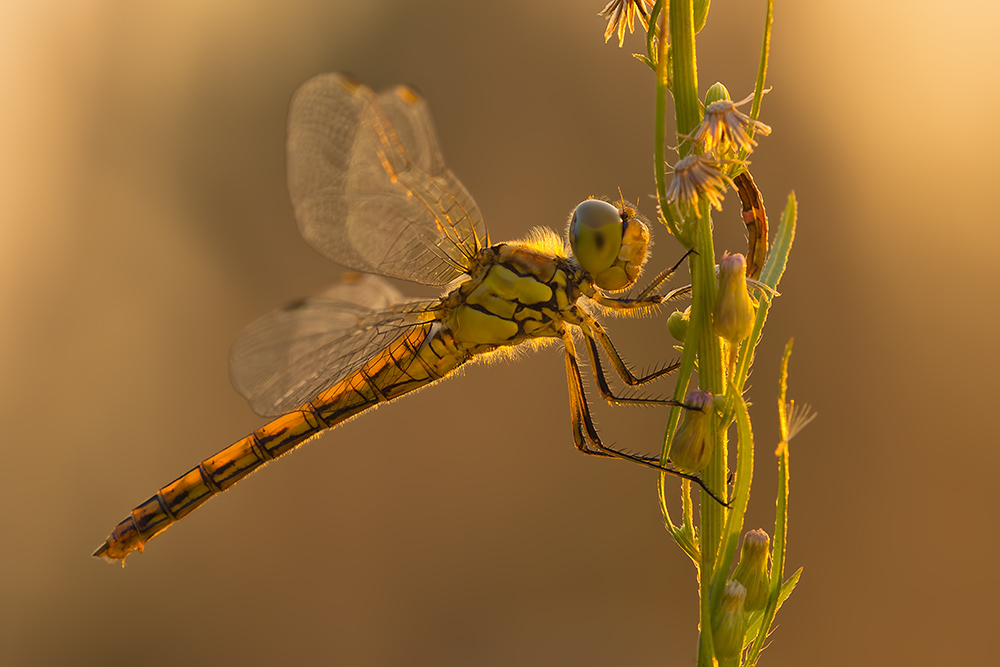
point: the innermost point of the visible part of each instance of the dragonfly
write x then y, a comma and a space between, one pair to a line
371, 192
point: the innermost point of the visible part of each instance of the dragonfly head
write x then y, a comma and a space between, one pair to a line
609, 243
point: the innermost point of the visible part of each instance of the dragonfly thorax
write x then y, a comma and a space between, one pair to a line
516, 293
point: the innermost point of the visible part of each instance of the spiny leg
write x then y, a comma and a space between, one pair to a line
585, 432
646, 297
663, 277
641, 302
605, 389
593, 329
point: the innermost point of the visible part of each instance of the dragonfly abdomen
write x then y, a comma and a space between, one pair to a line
415, 359
212, 476
422, 355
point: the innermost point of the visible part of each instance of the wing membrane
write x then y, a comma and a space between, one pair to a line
292, 354
370, 187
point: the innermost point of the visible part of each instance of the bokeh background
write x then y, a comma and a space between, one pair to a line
145, 221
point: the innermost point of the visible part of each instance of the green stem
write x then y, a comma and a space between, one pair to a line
685, 79
691, 347
660, 135
704, 290
741, 494
781, 515
758, 91
703, 285
765, 51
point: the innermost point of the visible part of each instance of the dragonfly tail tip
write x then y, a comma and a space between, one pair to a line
102, 552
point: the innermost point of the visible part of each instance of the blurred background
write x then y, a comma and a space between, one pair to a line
145, 222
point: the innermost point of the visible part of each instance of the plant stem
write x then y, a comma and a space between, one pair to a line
703, 285
660, 135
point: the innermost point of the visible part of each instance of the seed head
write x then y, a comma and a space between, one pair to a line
697, 177
725, 127
622, 13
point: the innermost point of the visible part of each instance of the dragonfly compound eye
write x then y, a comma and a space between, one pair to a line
610, 246
595, 234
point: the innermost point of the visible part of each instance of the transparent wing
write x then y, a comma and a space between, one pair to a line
370, 188
292, 354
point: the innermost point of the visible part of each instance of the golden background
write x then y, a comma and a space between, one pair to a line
145, 222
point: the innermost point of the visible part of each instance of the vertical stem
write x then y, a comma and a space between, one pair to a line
685, 79
765, 50
781, 513
688, 111
660, 132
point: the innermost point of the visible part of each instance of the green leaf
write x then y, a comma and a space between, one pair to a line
753, 623
770, 275
643, 59
700, 14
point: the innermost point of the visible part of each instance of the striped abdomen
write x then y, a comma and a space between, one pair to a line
417, 358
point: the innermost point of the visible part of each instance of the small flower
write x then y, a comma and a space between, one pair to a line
724, 127
697, 177
623, 12
752, 569
678, 323
729, 623
692, 445
734, 314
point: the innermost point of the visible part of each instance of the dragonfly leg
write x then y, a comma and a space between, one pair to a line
585, 434
641, 303
593, 329
646, 298
605, 389
663, 277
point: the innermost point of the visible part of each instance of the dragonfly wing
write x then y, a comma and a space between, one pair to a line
294, 353
370, 187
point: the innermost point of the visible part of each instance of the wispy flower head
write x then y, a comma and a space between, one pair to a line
725, 126
799, 417
623, 12
697, 177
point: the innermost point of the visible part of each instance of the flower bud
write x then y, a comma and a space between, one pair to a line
677, 324
716, 93
729, 623
734, 312
692, 445
752, 569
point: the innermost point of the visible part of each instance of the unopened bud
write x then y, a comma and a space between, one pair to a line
692, 445
729, 622
752, 569
677, 324
734, 314
716, 93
